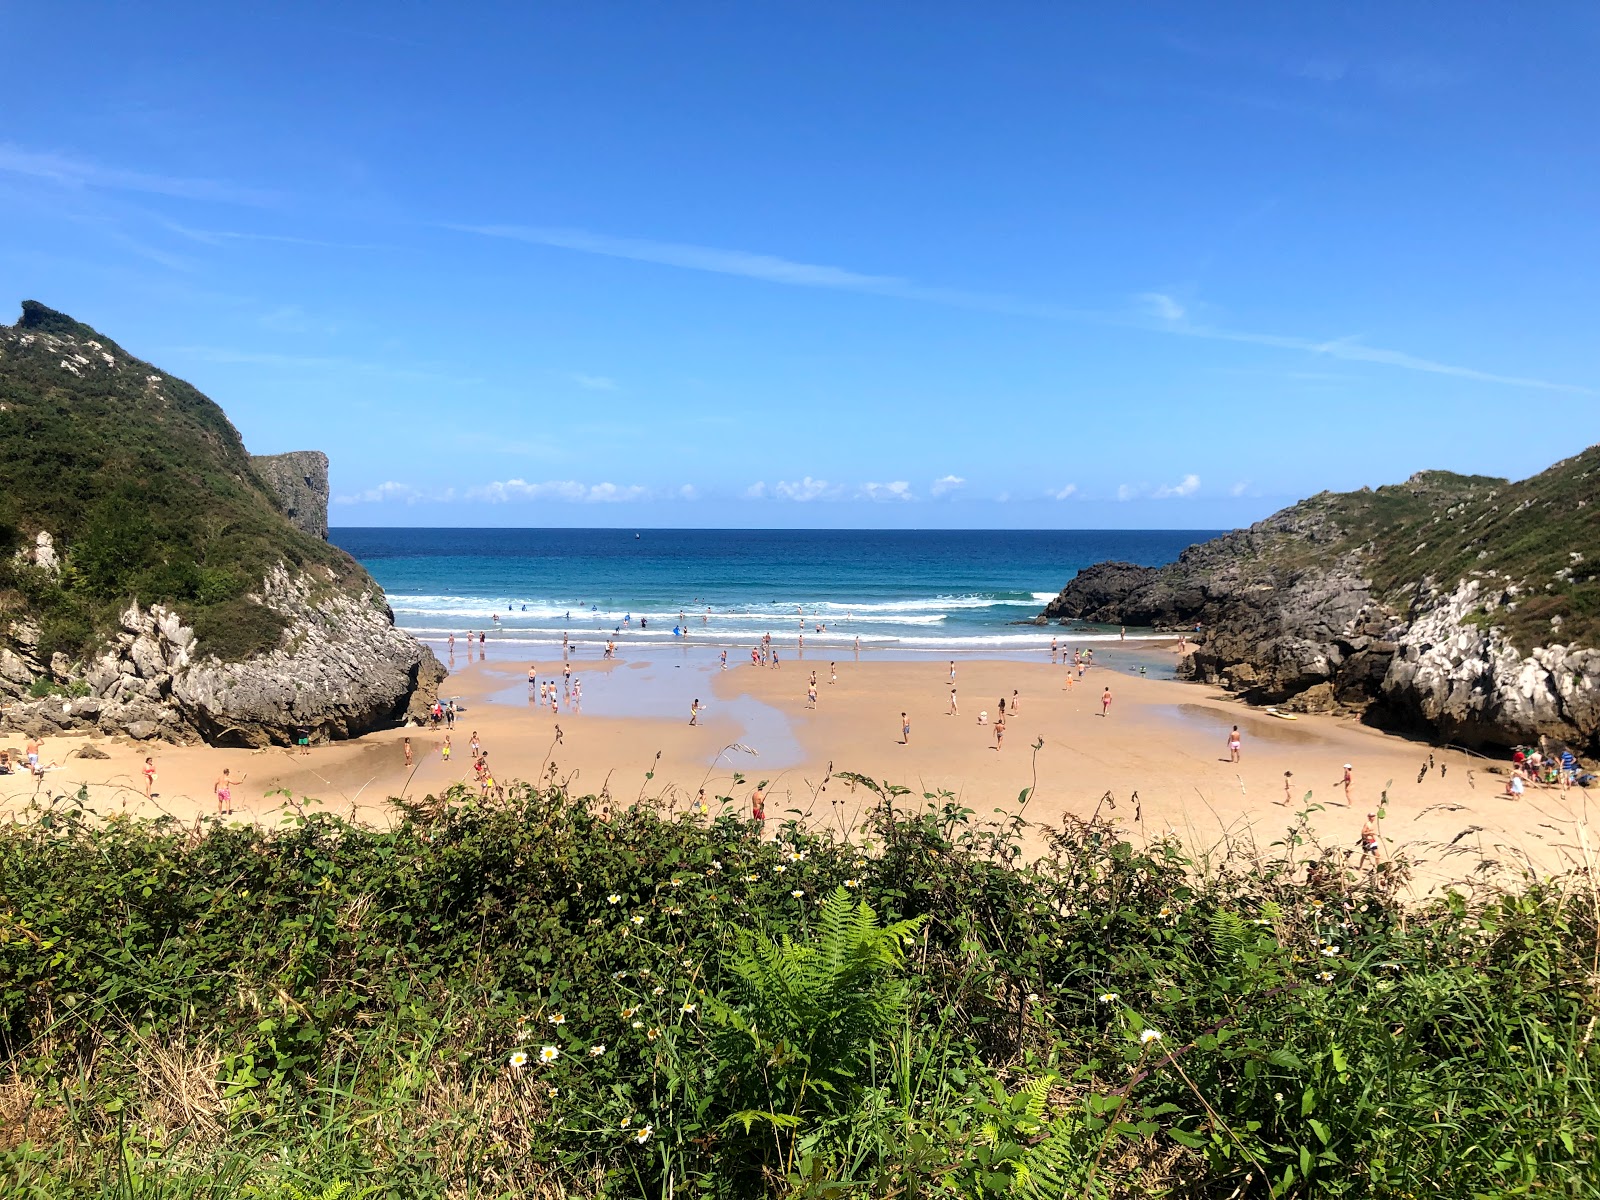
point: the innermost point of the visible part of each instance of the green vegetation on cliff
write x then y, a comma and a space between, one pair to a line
1541, 534
146, 488
524, 1000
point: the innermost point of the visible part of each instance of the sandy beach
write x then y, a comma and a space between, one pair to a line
1157, 762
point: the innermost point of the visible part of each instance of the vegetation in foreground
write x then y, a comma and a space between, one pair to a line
519, 999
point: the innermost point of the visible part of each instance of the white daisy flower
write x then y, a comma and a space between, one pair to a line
797, 893
637, 919
597, 1051
1149, 1035
519, 1059
613, 898
643, 1135
557, 1018
1109, 997
549, 1054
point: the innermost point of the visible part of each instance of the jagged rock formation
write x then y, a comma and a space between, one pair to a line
1463, 608
150, 581
300, 479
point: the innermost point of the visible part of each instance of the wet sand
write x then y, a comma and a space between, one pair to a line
1158, 762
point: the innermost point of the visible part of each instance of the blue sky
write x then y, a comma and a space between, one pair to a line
926, 265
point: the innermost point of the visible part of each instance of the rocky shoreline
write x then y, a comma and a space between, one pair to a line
1287, 613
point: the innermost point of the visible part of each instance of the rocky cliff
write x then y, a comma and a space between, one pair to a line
300, 481
151, 582
1461, 607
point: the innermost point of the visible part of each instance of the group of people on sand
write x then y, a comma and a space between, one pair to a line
1536, 768
30, 761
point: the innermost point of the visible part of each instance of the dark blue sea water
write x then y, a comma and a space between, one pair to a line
929, 591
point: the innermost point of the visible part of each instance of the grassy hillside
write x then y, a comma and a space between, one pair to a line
146, 487
522, 1000
1541, 534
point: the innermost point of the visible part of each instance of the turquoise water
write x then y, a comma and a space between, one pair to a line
908, 592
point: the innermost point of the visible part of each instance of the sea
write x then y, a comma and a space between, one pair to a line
893, 593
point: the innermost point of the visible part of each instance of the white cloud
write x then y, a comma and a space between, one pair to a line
566, 490
594, 383
1126, 491
898, 490
1162, 305
1239, 488
384, 492
756, 491
1170, 313
1070, 490
688, 492
82, 173
946, 484
807, 489
1187, 486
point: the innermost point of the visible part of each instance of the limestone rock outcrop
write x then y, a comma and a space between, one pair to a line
1455, 607
340, 669
300, 481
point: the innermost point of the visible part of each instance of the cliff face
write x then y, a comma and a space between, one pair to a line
150, 581
300, 480
1461, 607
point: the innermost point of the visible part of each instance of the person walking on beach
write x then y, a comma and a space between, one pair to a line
1288, 797
1016, 702
223, 787
694, 712
833, 673
452, 645
724, 660
31, 752
1002, 715
811, 696
1233, 745
905, 730
954, 710
952, 670
149, 780
1349, 778
758, 804
1053, 646
1105, 702
1369, 842
1123, 636
999, 733
858, 645
444, 750
407, 744
477, 746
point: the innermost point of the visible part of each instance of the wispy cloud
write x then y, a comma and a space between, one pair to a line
311, 362
221, 237
1162, 306
898, 490
1065, 493
1187, 486
66, 171
387, 492
1161, 312
593, 383
806, 489
946, 484
567, 490
1239, 488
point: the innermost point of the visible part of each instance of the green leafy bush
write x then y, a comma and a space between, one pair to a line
522, 999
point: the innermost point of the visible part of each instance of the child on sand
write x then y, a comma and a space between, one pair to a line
694, 712
1369, 841
905, 726
444, 751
